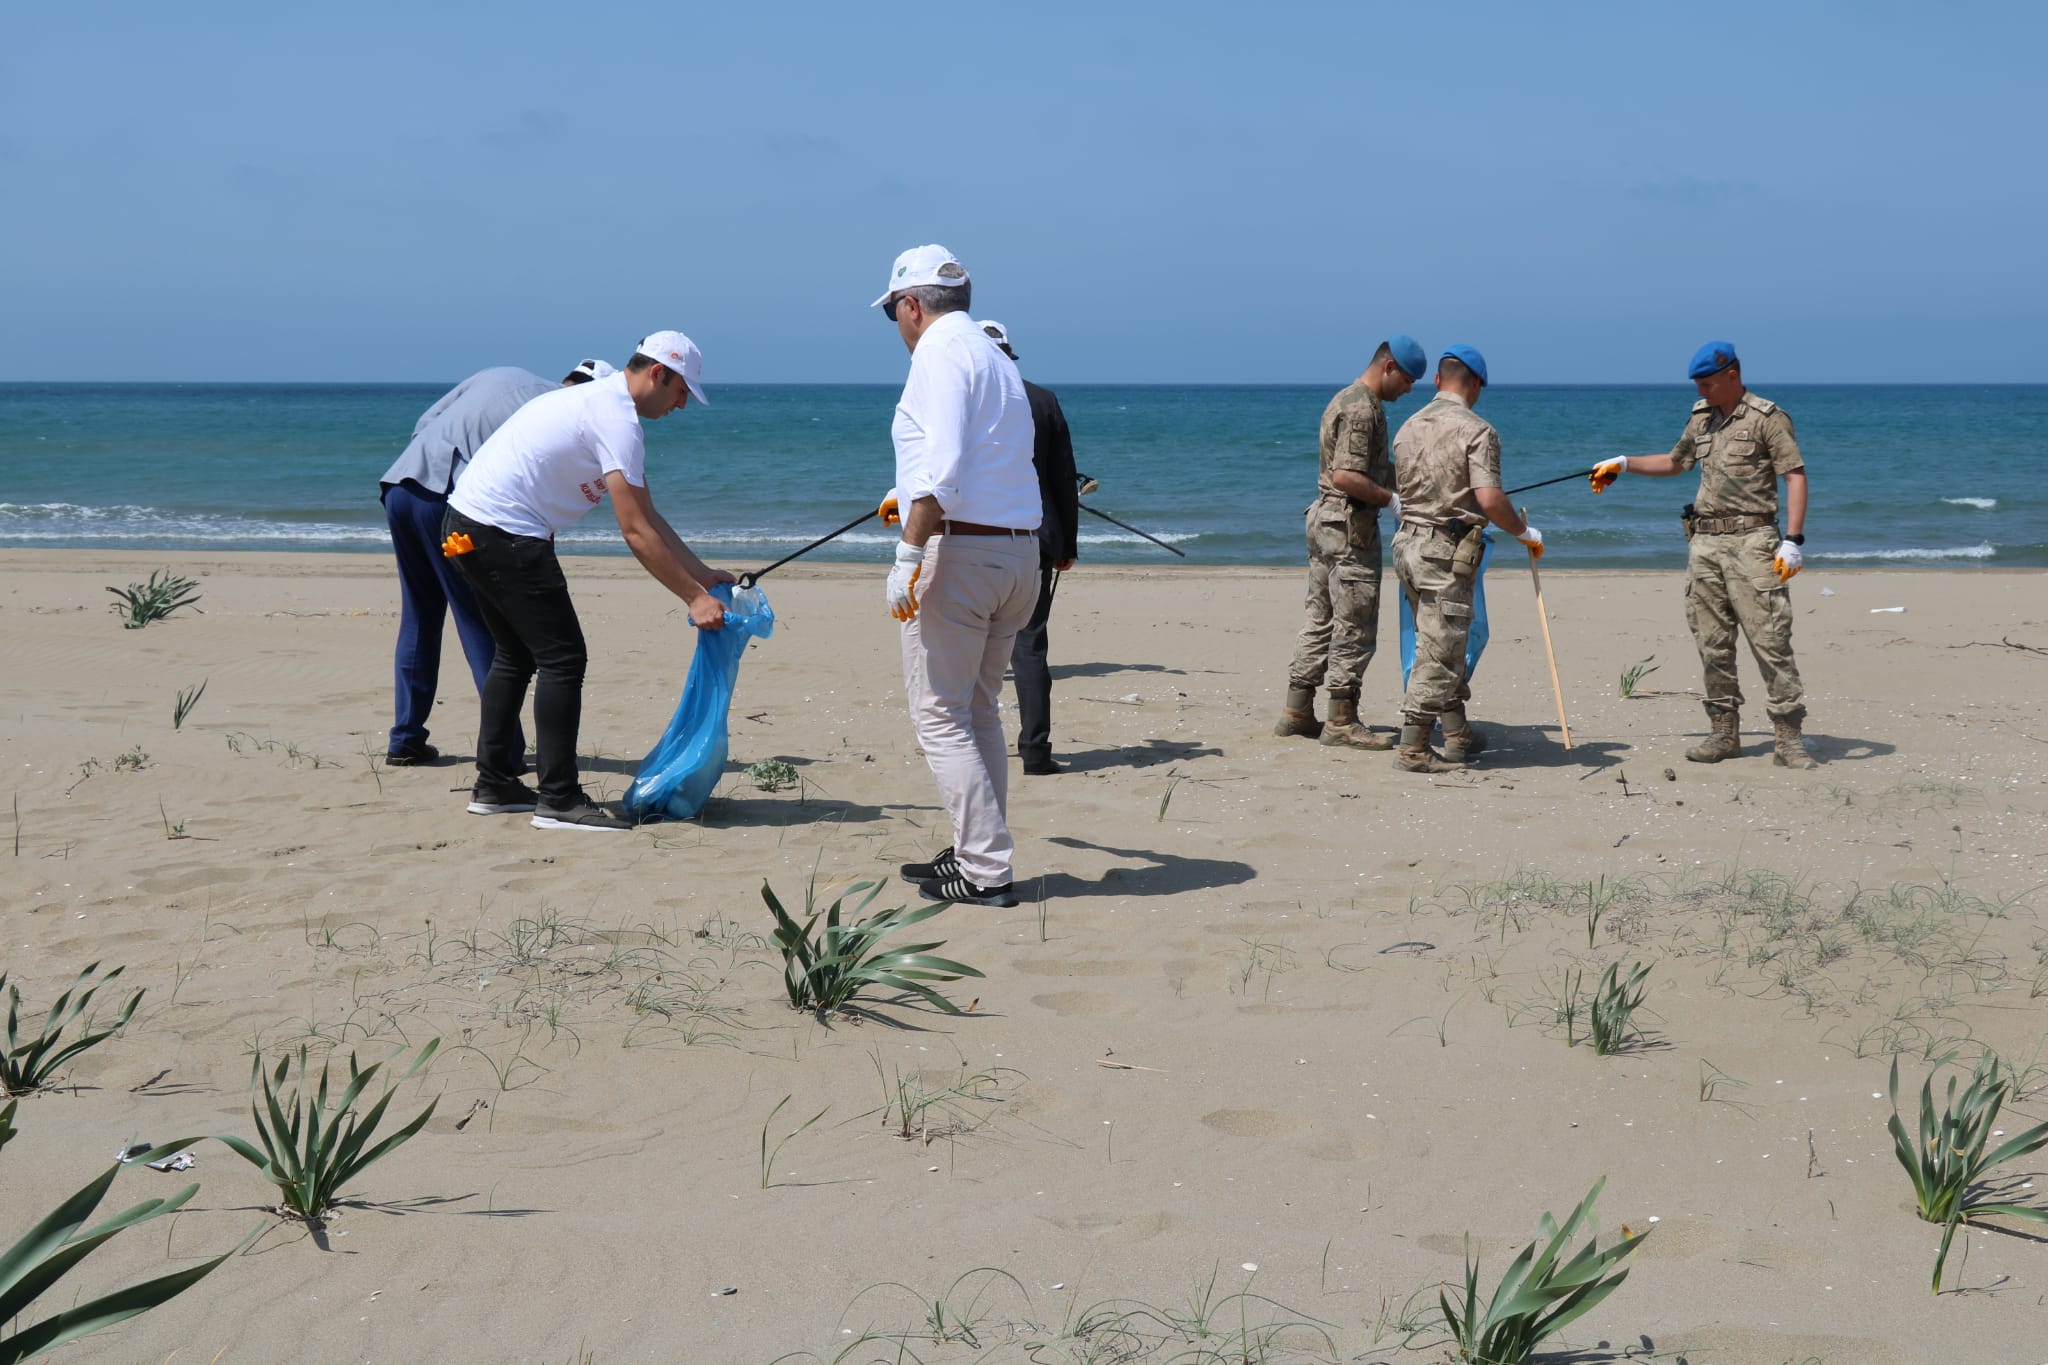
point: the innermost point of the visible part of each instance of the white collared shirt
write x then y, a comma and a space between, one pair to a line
963, 429
544, 468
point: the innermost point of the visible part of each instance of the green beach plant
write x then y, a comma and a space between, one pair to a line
770, 774
1614, 1003
49, 1250
1633, 675
1539, 1296
824, 968
1947, 1166
312, 1150
26, 1065
143, 603
187, 698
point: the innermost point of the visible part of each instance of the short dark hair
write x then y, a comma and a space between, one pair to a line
1450, 367
579, 375
937, 299
1385, 352
640, 362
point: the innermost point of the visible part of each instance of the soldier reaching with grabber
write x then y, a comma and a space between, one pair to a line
1738, 563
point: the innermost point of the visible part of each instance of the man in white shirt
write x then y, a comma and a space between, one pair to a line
966, 575
550, 463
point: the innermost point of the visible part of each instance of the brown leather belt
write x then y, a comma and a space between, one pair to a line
1728, 526
975, 528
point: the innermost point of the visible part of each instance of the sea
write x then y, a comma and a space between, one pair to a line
1901, 476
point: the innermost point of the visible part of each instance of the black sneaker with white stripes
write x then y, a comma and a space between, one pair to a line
510, 798
938, 869
581, 814
960, 891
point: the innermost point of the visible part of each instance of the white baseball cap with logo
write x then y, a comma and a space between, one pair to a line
680, 354
922, 265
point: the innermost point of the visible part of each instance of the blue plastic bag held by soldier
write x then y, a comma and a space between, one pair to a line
1475, 643
678, 774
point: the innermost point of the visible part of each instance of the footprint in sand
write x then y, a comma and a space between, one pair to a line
1254, 1122
1086, 1004
1136, 1227
1053, 967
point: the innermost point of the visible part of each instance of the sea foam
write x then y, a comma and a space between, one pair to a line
1984, 551
1983, 504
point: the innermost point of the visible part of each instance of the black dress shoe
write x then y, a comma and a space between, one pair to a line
412, 756
1037, 766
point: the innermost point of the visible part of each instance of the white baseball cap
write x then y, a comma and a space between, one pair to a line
996, 332
679, 354
923, 265
595, 369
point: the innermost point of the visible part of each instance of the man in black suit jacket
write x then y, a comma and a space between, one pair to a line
1052, 452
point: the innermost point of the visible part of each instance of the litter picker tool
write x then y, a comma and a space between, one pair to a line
1089, 485
748, 580
1562, 478
1557, 689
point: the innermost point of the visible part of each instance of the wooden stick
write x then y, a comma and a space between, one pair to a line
1556, 688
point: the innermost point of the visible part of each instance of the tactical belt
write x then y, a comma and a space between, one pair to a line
1455, 531
1728, 526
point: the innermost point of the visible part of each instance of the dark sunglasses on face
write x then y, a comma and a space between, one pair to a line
889, 309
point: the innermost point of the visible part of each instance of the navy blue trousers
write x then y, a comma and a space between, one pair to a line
429, 588
1030, 667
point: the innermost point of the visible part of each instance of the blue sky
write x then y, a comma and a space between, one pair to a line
1144, 192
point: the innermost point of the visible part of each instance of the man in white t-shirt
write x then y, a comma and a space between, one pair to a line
966, 575
550, 463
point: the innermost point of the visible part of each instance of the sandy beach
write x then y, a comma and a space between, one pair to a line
1275, 1030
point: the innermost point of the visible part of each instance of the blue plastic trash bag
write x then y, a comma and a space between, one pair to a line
677, 776
1475, 643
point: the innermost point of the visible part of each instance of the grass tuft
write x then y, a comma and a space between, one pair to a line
1947, 1166
27, 1063
311, 1149
824, 968
1539, 1295
143, 603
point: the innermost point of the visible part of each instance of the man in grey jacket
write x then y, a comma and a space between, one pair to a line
415, 496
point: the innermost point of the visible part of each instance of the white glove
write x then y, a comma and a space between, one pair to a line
1607, 471
1532, 538
1394, 507
902, 589
1787, 561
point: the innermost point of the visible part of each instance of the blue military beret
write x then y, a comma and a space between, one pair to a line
1469, 357
1407, 352
1711, 358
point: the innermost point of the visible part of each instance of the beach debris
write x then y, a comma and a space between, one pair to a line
1414, 946
1879, 611
1670, 775
1125, 1066
1250, 1265
1827, 592
176, 1161
721, 1293
127, 1152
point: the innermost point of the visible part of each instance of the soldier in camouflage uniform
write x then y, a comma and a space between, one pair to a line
1356, 480
1739, 566
1448, 458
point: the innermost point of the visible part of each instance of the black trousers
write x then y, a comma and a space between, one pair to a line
1033, 673
519, 588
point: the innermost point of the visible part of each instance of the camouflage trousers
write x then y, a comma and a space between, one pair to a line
1730, 585
1343, 604
1442, 602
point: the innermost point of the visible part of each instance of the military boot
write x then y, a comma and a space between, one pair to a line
1344, 730
1414, 755
1461, 741
1724, 742
1298, 716
1790, 750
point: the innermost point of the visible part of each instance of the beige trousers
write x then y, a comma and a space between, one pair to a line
974, 594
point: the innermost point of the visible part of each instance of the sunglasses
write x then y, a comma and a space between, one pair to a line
889, 308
